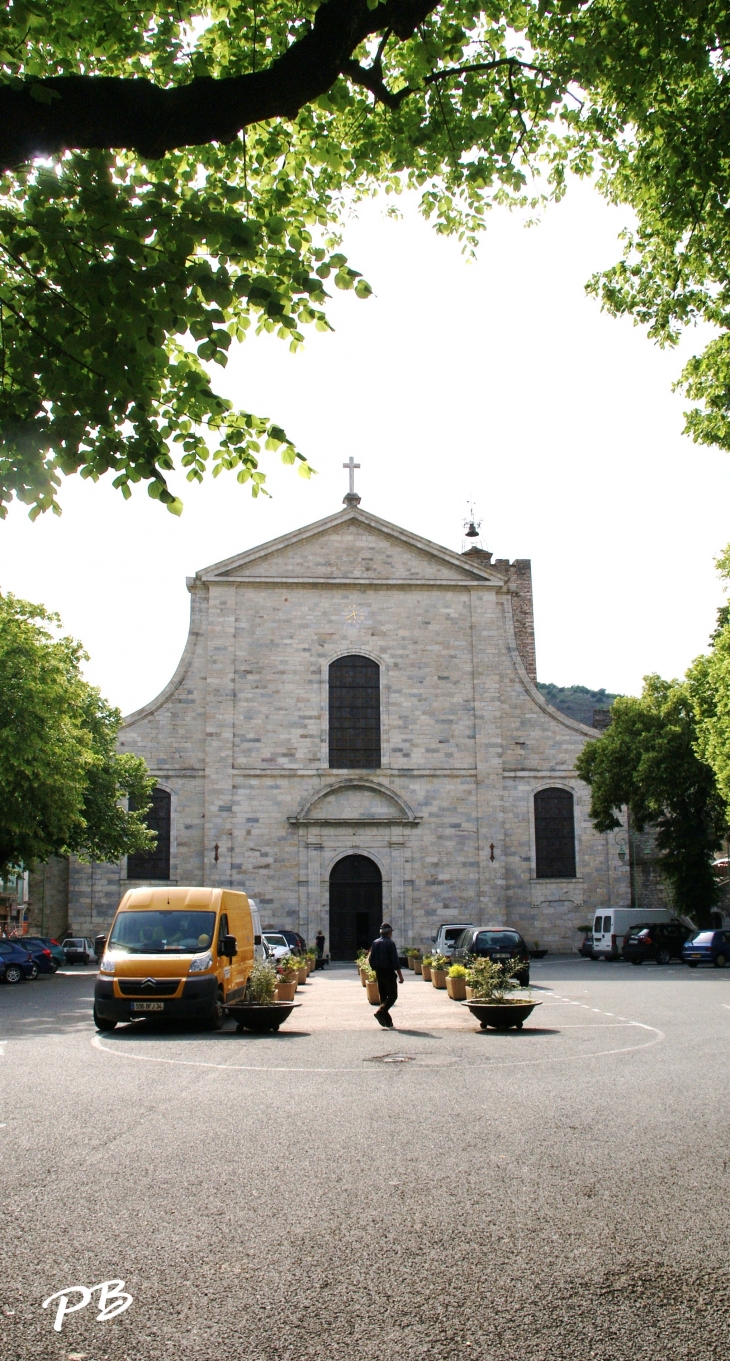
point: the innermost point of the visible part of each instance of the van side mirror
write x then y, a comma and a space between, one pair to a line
257, 940
229, 947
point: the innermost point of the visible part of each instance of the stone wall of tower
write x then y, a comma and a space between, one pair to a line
518, 577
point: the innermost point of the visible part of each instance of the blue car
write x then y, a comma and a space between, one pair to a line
39, 951
708, 947
18, 963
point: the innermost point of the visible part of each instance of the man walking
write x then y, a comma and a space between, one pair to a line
383, 959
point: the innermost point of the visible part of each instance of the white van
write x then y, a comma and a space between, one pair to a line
611, 924
447, 936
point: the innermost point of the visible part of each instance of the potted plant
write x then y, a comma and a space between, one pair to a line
490, 1002
411, 955
311, 958
262, 1008
456, 982
288, 970
302, 969
417, 958
361, 962
426, 968
371, 986
439, 970
536, 952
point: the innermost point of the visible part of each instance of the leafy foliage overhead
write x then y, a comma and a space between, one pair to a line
61, 780
177, 172
647, 760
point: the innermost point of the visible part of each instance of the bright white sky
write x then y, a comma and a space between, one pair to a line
499, 382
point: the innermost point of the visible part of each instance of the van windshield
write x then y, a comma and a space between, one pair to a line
151, 933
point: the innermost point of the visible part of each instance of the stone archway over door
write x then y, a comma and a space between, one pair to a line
356, 905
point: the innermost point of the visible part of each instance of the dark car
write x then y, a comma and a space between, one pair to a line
293, 938
18, 963
39, 951
499, 943
708, 947
661, 941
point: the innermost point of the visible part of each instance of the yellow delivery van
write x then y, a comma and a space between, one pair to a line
176, 953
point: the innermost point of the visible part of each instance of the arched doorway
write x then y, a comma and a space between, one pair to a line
356, 905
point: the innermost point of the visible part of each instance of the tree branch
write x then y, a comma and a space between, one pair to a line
371, 77
45, 117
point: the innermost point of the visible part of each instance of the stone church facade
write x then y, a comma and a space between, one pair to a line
354, 726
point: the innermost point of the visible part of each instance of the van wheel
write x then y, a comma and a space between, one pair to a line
663, 957
218, 1015
720, 961
102, 1023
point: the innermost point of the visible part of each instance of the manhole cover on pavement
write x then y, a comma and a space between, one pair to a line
391, 1058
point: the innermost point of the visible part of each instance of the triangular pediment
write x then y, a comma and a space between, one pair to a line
350, 546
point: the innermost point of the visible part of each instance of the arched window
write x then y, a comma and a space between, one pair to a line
154, 864
554, 834
354, 704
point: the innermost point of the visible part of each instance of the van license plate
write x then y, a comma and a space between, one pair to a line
148, 1006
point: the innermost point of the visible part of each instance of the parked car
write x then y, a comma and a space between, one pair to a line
586, 947
662, 941
499, 943
19, 964
708, 947
277, 943
40, 953
78, 950
447, 936
611, 925
297, 943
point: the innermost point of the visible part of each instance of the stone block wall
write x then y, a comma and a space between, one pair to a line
48, 899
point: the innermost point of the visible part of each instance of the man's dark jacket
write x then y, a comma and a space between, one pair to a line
384, 955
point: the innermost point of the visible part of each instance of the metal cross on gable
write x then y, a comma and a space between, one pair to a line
351, 465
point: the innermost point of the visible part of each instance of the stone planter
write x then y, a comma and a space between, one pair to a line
469, 992
373, 995
416, 966
291, 978
285, 992
456, 988
303, 974
363, 978
438, 978
501, 1015
425, 972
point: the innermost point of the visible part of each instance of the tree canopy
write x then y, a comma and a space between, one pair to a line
175, 173
61, 781
647, 760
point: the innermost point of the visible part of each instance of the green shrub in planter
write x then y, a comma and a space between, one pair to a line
440, 962
457, 971
262, 982
491, 982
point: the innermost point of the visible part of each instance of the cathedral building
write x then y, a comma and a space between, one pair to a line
353, 732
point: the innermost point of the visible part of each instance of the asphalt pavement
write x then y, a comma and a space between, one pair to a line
337, 1191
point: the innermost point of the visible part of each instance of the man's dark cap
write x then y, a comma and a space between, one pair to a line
385, 927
